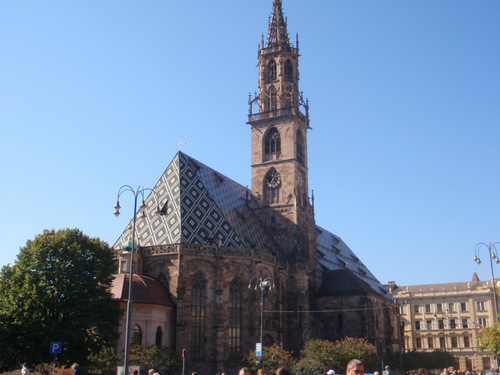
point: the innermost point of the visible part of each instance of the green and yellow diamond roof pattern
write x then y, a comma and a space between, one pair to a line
199, 206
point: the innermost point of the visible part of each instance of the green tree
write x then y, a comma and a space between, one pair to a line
154, 357
489, 339
414, 360
325, 354
273, 358
349, 348
103, 362
58, 290
317, 354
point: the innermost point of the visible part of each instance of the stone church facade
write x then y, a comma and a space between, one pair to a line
214, 237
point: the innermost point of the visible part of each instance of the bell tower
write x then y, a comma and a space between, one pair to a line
279, 120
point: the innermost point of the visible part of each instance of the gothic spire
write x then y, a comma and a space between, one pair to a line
278, 35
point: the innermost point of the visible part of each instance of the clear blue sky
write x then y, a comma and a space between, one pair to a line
404, 154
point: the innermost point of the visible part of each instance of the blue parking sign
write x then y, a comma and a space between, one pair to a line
55, 347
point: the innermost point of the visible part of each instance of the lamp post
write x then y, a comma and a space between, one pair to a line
493, 256
444, 314
264, 284
139, 192
400, 328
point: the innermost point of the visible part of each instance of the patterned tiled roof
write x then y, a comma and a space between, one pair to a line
199, 206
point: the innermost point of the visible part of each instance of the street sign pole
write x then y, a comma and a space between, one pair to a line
55, 348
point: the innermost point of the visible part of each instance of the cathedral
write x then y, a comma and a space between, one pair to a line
220, 267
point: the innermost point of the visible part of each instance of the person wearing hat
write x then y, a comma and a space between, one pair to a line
330, 372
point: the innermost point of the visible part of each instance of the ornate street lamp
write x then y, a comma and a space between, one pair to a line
264, 284
139, 192
493, 257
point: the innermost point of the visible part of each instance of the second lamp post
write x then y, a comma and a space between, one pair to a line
264, 284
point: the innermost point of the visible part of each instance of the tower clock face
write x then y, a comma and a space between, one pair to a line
273, 179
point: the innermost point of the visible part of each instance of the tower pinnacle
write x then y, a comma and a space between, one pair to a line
277, 37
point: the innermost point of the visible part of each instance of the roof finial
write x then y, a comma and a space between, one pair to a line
180, 143
278, 35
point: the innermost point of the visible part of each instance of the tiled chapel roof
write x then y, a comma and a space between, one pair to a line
146, 290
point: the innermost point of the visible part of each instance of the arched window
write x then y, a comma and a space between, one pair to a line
272, 143
300, 148
234, 317
272, 186
159, 337
271, 71
136, 335
271, 102
288, 71
198, 314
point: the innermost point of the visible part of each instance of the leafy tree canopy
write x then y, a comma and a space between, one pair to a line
273, 358
489, 339
58, 290
325, 354
154, 357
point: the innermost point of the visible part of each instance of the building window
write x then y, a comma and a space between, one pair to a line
159, 336
483, 322
234, 317
450, 306
442, 342
453, 325
439, 307
454, 342
427, 308
430, 342
465, 323
300, 148
416, 309
463, 306
198, 317
271, 100
480, 305
417, 325
418, 342
271, 71
136, 335
441, 324
288, 71
429, 324
466, 342
272, 144
288, 97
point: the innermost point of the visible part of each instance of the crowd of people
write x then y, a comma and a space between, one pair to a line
354, 367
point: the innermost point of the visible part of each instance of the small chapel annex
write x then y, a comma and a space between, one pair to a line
214, 237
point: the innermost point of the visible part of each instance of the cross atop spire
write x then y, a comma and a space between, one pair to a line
278, 35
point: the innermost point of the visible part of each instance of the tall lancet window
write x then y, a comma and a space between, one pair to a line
272, 186
271, 102
198, 314
159, 337
288, 96
271, 71
288, 71
300, 148
234, 317
272, 144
